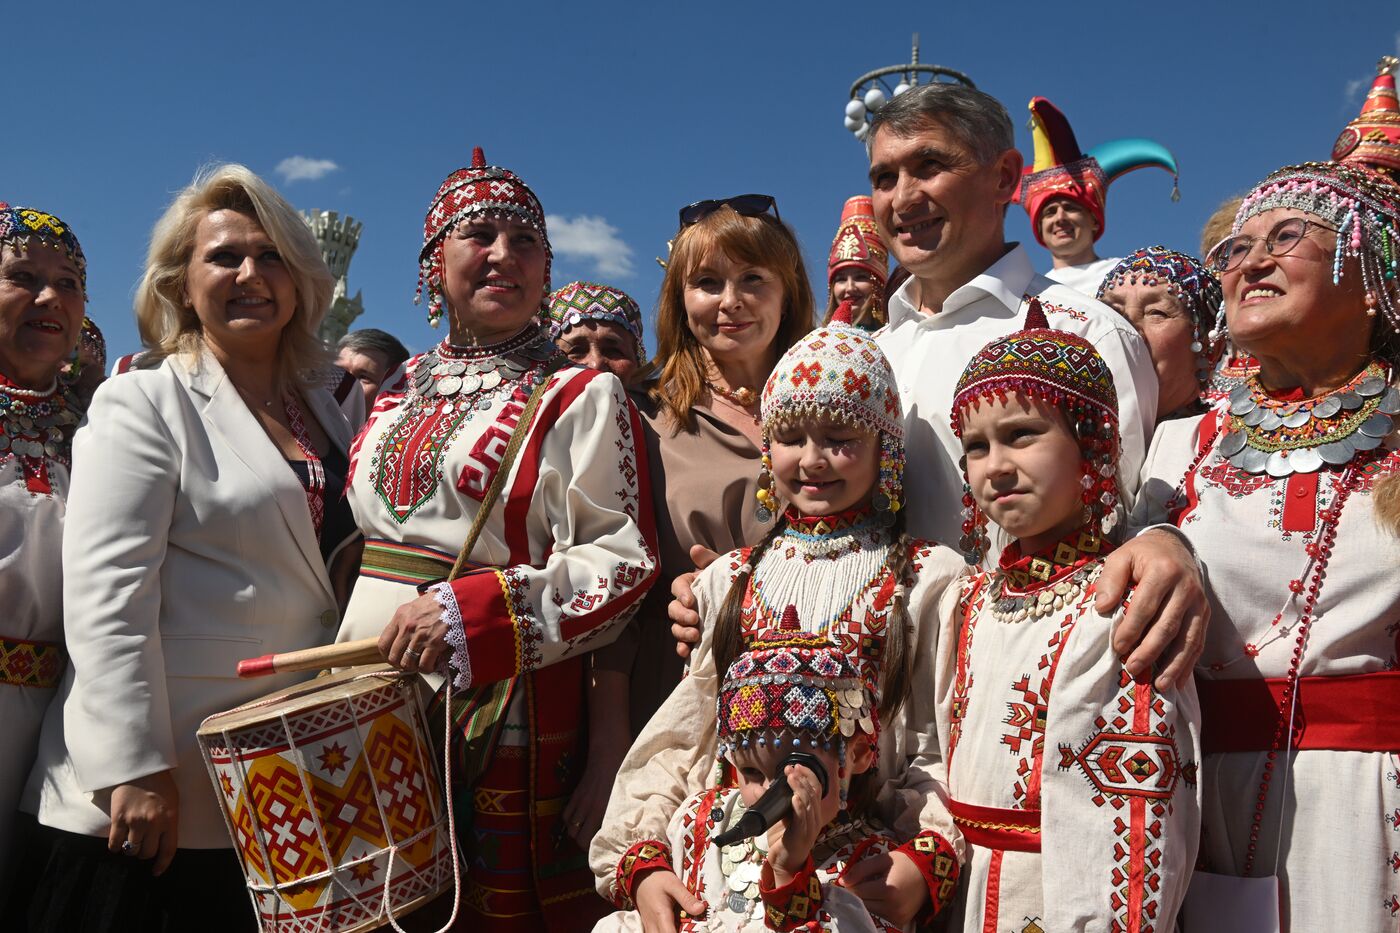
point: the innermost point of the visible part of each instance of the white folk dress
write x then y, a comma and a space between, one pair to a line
567, 550
842, 586
1331, 832
1073, 785
740, 894
33, 496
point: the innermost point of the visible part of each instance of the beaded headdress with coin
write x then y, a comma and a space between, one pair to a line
22, 226
1362, 204
578, 302
1190, 282
789, 688
479, 189
1060, 369
837, 371
1264, 435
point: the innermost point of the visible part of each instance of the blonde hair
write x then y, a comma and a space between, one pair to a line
763, 241
168, 326
1219, 224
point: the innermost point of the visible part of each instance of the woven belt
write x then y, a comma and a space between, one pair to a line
997, 827
31, 663
412, 565
1348, 713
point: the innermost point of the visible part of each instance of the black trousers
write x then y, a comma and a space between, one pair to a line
70, 883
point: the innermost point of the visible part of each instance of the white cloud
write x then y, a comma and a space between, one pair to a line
592, 240
1354, 89
302, 168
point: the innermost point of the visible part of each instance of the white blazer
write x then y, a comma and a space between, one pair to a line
188, 546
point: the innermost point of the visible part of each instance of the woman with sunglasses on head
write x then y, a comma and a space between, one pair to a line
735, 296
1291, 496
491, 437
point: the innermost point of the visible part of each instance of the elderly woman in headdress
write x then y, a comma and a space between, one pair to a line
1291, 496
1173, 301
563, 553
43, 288
598, 327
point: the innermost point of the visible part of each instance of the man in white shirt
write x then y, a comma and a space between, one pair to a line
943, 168
1069, 230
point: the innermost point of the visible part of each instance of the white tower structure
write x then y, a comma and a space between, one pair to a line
338, 237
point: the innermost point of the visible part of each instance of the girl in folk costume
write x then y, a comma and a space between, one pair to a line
1289, 496
792, 697
1050, 745
565, 550
833, 451
42, 292
859, 266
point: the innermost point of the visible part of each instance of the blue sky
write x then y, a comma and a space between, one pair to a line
619, 114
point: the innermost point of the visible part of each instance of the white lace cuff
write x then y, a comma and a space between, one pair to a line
460, 662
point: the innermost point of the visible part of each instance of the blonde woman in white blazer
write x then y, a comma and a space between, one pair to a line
206, 501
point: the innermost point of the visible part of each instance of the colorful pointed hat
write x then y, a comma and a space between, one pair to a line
1373, 138
858, 242
1061, 170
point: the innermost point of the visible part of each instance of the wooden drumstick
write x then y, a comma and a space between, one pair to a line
345, 654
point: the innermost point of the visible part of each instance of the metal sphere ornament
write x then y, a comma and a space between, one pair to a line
873, 90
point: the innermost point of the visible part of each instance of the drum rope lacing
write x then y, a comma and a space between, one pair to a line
385, 908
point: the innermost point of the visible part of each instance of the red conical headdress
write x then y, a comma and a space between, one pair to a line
1373, 138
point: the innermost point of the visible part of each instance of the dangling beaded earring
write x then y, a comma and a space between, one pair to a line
974, 543
767, 502
890, 488
426, 276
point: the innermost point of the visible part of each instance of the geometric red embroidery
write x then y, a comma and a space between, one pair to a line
1133, 766
31, 663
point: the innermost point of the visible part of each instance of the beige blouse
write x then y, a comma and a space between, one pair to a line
702, 492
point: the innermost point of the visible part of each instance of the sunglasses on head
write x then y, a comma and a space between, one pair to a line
748, 205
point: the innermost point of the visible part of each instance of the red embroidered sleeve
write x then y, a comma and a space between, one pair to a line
644, 857
937, 862
794, 906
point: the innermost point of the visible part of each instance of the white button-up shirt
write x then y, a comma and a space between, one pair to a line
929, 352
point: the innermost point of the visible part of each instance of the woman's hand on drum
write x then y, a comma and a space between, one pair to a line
416, 637
145, 819
659, 896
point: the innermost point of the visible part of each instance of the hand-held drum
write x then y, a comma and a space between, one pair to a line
331, 794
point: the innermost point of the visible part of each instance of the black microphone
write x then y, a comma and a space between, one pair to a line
776, 803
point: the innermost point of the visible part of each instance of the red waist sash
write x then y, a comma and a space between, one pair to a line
997, 828
1350, 713
31, 663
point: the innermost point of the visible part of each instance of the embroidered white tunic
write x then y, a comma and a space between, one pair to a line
1039, 718
566, 549
1332, 831
844, 588
730, 880
31, 610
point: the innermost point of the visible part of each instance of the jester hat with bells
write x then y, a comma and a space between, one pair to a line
1061, 170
